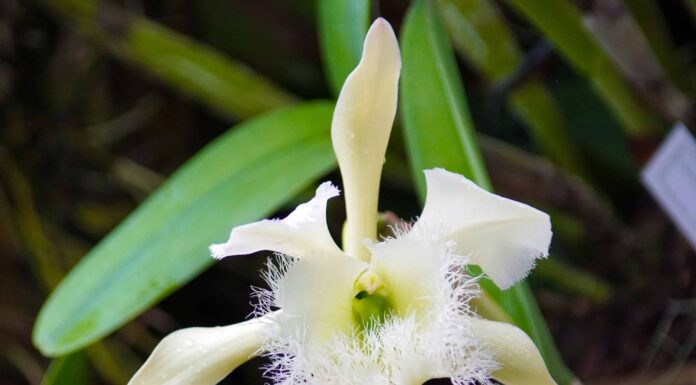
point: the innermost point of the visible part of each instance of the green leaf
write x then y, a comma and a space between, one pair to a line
242, 176
482, 37
342, 28
227, 86
561, 22
652, 22
439, 133
71, 369
438, 128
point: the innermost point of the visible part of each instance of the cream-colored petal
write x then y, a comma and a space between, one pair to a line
315, 296
202, 356
520, 363
360, 131
301, 233
502, 236
410, 270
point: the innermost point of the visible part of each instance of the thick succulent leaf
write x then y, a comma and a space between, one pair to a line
245, 174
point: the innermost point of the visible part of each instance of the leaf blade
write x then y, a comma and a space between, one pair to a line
439, 133
227, 86
481, 36
342, 28
70, 369
432, 97
164, 243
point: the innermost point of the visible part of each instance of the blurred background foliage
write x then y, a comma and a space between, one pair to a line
101, 101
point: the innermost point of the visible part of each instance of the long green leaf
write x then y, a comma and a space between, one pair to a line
479, 34
439, 133
227, 86
342, 29
651, 20
245, 174
71, 369
561, 22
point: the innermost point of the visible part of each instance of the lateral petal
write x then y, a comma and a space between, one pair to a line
411, 269
301, 233
315, 296
520, 362
202, 356
502, 236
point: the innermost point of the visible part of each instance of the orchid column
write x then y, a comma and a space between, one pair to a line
360, 132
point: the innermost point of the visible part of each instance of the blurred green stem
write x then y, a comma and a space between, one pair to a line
229, 87
561, 22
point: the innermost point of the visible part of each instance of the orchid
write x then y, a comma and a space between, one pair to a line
389, 311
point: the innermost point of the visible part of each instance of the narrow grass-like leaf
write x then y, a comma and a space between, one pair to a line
342, 28
71, 369
244, 175
227, 86
439, 133
481, 36
438, 128
652, 22
561, 22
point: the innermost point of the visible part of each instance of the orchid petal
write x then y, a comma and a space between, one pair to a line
300, 233
519, 359
202, 356
410, 269
315, 295
360, 131
502, 236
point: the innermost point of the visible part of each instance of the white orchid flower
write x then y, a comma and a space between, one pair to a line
389, 312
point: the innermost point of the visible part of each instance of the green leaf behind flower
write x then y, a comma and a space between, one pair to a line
71, 369
342, 28
439, 133
438, 129
244, 175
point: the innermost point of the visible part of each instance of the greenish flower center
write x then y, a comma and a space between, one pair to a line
371, 303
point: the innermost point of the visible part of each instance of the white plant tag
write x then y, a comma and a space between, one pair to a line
670, 176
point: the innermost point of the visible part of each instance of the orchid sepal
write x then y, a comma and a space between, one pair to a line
203, 356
